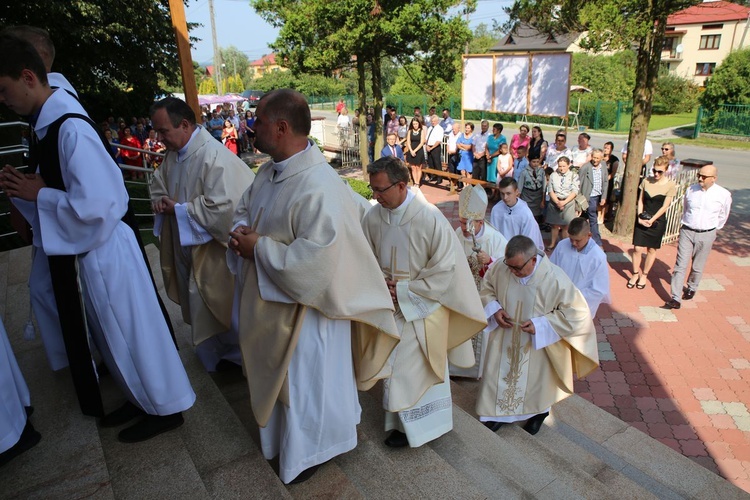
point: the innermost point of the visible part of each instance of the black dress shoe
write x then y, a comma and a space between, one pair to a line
396, 439
122, 415
672, 304
150, 426
688, 294
494, 426
533, 425
29, 438
305, 474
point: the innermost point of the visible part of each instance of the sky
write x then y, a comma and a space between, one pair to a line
237, 24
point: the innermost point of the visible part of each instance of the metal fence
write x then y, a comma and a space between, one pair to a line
138, 189
596, 114
726, 119
684, 179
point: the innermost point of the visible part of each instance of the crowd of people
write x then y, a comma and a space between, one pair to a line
262, 268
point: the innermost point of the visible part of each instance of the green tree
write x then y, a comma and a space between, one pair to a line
320, 36
207, 86
614, 25
484, 38
609, 78
114, 53
730, 83
234, 62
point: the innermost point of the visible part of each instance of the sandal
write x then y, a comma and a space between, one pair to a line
631, 282
639, 285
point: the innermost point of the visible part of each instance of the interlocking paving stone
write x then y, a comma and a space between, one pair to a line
713, 407
740, 261
710, 285
736, 409
618, 257
651, 313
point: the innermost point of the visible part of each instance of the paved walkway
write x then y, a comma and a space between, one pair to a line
680, 376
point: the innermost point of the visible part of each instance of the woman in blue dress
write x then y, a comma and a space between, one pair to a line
493, 151
464, 145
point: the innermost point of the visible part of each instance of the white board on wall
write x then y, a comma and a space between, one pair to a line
529, 84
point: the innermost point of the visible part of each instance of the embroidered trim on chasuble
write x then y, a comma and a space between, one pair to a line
516, 369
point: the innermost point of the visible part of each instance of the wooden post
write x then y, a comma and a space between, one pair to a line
177, 11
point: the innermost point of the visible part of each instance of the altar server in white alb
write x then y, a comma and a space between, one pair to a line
541, 335
194, 193
16, 432
78, 201
437, 304
483, 245
40, 287
311, 294
585, 263
512, 216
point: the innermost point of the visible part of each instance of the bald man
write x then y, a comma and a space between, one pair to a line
706, 211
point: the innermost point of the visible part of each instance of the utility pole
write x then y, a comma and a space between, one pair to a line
217, 51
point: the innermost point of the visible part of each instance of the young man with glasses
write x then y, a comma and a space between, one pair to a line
707, 207
541, 334
437, 304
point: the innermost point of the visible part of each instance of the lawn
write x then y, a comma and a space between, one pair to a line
659, 122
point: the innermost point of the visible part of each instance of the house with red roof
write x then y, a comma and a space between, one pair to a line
700, 37
265, 64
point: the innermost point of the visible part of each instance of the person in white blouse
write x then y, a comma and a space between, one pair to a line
706, 211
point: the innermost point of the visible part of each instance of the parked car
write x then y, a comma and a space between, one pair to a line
253, 96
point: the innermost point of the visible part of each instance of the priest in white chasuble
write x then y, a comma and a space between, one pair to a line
483, 245
541, 335
194, 193
585, 263
437, 304
315, 316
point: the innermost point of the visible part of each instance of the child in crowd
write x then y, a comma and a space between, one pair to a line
532, 185
504, 163
521, 163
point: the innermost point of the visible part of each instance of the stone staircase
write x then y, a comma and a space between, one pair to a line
581, 452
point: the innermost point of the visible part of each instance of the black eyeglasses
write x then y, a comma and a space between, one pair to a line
659, 172
701, 176
665, 149
517, 269
381, 191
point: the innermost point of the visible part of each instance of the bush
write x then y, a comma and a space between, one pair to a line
675, 94
360, 187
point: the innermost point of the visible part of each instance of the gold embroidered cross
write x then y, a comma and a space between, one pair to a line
393, 273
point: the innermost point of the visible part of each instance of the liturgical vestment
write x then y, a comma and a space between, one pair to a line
526, 374
438, 311
311, 297
492, 242
14, 395
587, 269
206, 180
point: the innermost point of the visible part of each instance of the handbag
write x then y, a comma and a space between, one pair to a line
582, 203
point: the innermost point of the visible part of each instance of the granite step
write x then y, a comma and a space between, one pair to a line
210, 456
623, 459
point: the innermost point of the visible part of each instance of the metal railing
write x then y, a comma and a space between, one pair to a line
726, 119
134, 187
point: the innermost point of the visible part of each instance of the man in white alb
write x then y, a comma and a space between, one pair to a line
585, 263
541, 335
483, 246
512, 216
437, 304
310, 294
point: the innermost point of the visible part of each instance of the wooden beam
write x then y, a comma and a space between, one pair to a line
179, 24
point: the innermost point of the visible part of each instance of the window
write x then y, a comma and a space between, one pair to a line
712, 26
710, 42
705, 69
668, 43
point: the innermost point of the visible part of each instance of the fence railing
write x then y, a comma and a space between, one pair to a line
726, 119
596, 114
138, 189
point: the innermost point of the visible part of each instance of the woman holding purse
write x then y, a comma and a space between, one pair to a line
657, 193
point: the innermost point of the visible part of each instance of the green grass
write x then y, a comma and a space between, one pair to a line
709, 142
658, 122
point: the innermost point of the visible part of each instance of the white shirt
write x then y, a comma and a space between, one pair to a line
648, 148
452, 138
435, 135
706, 209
